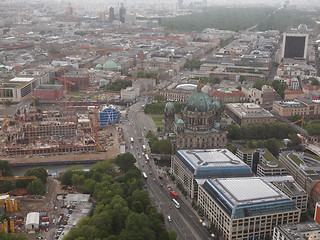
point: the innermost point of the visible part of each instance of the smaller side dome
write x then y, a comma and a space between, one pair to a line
180, 122
216, 104
223, 120
99, 66
169, 105
217, 125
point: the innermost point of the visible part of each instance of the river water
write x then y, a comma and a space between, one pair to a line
52, 169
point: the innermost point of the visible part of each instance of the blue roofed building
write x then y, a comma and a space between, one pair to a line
189, 165
245, 208
109, 115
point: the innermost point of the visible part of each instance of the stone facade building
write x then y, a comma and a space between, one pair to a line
200, 125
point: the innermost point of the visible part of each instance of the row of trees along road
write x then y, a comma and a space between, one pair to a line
124, 210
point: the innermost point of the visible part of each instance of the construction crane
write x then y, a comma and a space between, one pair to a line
16, 178
300, 135
158, 76
67, 100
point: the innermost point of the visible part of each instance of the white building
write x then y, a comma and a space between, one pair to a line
32, 222
74, 199
129, 93
19, 88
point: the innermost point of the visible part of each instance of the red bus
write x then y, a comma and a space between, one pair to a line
174, 195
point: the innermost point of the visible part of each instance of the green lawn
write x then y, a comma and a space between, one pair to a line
76, 93
312, 156
158, 120
295, 159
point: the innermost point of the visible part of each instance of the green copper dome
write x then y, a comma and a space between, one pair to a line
180, 121
169, 105
99, 66
216, 104
111, 65
198, 102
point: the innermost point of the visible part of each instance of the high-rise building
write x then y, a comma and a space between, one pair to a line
111, 14
295, 45
69, 10
122, 13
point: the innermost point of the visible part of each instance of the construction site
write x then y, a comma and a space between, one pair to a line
33, 132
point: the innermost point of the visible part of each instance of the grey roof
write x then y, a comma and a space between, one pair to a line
213, 163
246, 197
47, 87
299, 231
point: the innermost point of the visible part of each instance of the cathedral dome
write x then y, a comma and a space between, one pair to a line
169, 105
198, 102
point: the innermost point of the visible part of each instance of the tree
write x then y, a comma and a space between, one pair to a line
161, 146
280, 87
125, 161
36, 101
259, 83
66, 178
159, 98
6, 186
140, 74
39, 172
8, 236
193, 64
5, 168
315, 82
173, 235
36, 187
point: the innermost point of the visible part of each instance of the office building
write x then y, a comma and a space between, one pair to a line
189, 165
295, 45
246, 113
47, 93
245, 208
299, 231
19, 88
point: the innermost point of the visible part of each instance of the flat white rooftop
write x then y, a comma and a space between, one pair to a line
249, 190
21, 79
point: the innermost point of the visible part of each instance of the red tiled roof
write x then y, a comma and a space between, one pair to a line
317, 187
287, 91
310, 87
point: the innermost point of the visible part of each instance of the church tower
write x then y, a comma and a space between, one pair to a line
169, 118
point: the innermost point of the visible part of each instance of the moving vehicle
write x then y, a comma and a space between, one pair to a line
147, 158
144, 148
176, 204
131, 139
174, 195
169, 218
144, 175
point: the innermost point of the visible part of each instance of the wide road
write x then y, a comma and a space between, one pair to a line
184, 221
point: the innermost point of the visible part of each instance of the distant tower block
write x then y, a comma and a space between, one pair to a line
111, 14
37, 46
295, 45
122, 13
69, 10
